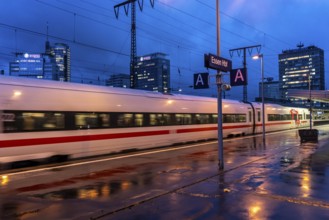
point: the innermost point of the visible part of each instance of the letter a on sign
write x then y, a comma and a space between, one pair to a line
238, 77
201, 81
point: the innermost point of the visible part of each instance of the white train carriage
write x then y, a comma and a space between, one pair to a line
45, 119
281, 118
278, 117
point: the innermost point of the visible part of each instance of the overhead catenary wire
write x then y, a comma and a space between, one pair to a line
148, 32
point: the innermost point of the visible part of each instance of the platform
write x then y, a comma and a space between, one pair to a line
279, 179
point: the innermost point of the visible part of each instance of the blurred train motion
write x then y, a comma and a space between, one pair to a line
49, 120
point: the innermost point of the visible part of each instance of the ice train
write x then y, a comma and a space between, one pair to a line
43, 119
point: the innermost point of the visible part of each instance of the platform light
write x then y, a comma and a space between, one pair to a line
256, 57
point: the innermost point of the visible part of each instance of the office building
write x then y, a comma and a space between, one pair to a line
301, 68
152, 72
62, 57
38, 66
54, 64
118, 80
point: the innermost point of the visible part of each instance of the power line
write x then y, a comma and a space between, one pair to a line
173, 40
241, 22
61, 39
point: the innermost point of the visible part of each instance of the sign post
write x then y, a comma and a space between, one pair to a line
220, 64
201, 81
219, 97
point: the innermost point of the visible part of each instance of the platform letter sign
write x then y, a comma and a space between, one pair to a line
238, 77
201, 81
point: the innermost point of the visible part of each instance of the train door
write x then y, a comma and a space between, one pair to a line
252, 118
258, 120
295, 117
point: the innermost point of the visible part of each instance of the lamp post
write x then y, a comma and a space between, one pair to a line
310, 98
260, 56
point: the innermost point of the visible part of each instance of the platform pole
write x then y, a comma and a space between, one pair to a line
219, 97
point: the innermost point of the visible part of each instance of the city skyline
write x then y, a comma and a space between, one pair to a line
184, 30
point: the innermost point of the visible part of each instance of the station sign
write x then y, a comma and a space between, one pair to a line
201, 81
217, 63
238, 77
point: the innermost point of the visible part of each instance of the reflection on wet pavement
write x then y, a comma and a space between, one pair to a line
259, 182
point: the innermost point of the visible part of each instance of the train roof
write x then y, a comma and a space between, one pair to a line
39, 83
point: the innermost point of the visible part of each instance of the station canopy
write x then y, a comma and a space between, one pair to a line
316, 95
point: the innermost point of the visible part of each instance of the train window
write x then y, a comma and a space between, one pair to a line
183, 119
258, 116
128, 120
273, 117
278, 117
154, 119
139, 120
250, 117
167, 119
228, 118
300, 117
17, 121
33, 121
201, 119
86, 120
214, 118
54, 121
104, 120
286, 117
158, 119
125, 120
234, 118
241, 118
42, 121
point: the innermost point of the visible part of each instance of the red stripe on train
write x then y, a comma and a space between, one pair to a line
211, 128
68, 139
276, 123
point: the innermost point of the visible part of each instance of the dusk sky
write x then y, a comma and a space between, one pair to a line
183, 29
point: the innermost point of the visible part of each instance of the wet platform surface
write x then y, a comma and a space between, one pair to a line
282, 179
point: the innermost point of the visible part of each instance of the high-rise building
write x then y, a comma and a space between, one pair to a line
301, 68
152, 72
62, 57
53, 65
118, 80
38, 66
